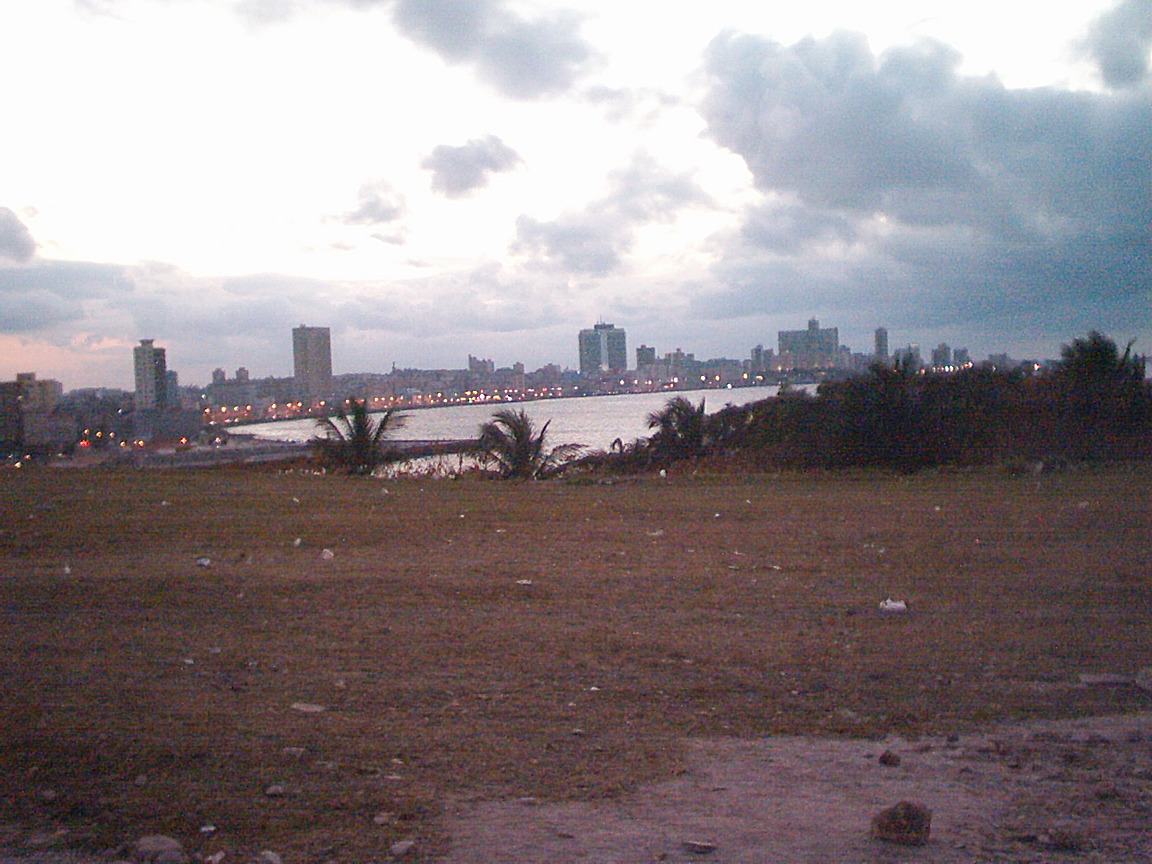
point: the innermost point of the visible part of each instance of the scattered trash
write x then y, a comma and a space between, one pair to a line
657, 533
296, 543
204, 562
523, 581
67, 570
327, 555
208, 829
663, 473
890, 605
401, 848
307, 707
698, 847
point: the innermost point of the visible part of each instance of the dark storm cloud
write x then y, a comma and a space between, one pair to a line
16, 243
459, 171
959, 196
521, 58
379, 204
46, 293
592, 241
1120, 41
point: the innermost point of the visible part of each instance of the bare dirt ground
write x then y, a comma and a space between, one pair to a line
1042, 791
632, 655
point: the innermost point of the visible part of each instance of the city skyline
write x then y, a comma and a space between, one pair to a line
967, 173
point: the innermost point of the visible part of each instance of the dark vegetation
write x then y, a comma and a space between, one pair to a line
351, 440
1093, 405
510, 444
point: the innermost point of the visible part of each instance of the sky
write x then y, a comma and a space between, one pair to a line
438, 178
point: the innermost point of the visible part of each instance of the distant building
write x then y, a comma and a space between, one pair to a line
961, 357
881, 351
481, 366
814, 348
761, 359
909, 355
312, 361
603, 349
151, 376
645, 356
941, 356
38, 395
29, 419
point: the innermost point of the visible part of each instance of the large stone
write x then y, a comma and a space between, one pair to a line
1144, 679
158, 849
907, 823
401, 848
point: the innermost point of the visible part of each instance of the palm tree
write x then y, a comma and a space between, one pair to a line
510, 442
352, 440
681, 429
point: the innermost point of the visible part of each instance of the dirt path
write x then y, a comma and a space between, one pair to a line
1044, 791
1037, 792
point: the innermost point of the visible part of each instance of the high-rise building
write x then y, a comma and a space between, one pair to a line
941, 356
645, 356
603, 349
814, 348
312, 361
151, 376
881, 343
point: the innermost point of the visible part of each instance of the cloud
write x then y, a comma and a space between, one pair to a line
459, 171
16, 243
1120, 42
594, 240
380, 204
892, 183
520, 58
644, 105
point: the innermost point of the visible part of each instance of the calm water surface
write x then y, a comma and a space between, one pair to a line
594, 421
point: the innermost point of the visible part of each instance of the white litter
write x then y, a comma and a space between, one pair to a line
204, 562
523, 581
890, 605
327, 555
296, 543
307, 707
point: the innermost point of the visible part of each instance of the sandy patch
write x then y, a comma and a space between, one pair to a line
1040, 791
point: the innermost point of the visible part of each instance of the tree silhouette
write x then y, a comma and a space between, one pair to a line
511, 444
351, 440
1096, 379
681, 430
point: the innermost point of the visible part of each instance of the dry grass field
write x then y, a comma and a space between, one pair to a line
559, 640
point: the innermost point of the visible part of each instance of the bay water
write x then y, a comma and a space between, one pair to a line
593, 421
